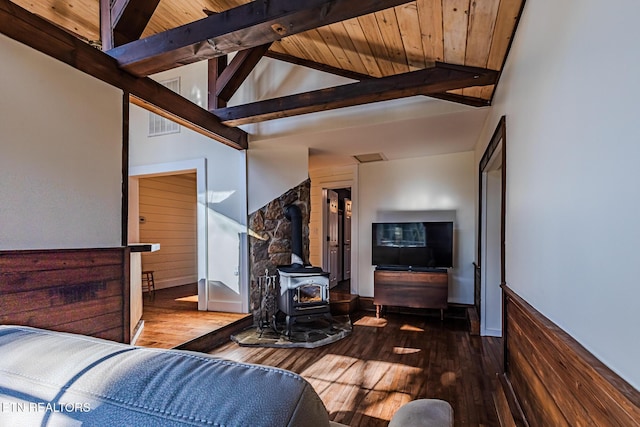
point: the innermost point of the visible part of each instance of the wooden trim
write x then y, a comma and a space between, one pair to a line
556, 380
499, 135
124, 240
242, 142
218, 337
126, 295
31, 30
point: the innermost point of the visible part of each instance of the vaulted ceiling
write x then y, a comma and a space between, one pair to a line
446, 49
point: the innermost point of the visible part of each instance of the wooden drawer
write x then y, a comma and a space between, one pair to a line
413, 289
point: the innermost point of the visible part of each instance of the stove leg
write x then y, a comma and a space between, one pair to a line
329, 318
288, 324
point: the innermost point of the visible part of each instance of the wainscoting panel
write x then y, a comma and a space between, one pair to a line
556, 381
71, 290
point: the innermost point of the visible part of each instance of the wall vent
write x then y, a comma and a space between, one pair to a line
369, 158
158, 125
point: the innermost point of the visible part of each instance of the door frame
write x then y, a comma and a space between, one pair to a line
336, 185
199, 166
498, 142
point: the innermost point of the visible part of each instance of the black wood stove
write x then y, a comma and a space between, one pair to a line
304, 290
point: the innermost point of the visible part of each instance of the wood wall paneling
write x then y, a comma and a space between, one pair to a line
72, 290
557, 381
169, 206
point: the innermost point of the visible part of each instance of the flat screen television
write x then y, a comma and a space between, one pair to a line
427, 244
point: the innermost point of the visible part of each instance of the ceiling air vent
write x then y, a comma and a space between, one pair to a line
369, 158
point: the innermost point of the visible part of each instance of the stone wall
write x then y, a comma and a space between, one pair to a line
270, 237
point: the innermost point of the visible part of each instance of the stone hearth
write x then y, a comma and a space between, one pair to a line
303, 334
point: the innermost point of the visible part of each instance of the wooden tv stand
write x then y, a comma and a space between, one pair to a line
408, 288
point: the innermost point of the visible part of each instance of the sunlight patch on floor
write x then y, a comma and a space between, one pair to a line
448, 378
406, 350
190, 298
411, 328
371, 321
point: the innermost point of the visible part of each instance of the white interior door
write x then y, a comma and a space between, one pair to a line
491, 320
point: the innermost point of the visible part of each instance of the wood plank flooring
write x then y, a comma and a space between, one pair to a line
385, 363
171, 317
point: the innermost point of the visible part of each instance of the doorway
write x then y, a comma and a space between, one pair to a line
491, 234
167, 215
196, 167
337, 227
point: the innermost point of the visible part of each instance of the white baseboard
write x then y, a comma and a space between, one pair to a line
137, 333
487, 332
225, 306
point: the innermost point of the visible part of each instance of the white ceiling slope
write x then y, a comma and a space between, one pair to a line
427, 135
403, 128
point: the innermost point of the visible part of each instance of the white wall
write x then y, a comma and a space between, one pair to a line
433, 188
60, 154
226, 184
570, 94
272, 171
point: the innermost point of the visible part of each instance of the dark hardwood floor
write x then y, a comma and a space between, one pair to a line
171, 318
364, 378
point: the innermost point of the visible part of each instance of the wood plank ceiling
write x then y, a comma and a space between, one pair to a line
412, 36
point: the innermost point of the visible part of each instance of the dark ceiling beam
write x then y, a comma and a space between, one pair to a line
38, 33
441, 78
317, 66
106, 28
238, 70
452, 97
249, 25
215, 67
462, 99
129, 18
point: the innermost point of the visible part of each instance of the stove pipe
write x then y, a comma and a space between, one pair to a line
293, 214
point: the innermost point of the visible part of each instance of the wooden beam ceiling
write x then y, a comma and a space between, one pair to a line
38, 33
452, 97
129, 18
436, 80
249, 25
238, 70
249, 29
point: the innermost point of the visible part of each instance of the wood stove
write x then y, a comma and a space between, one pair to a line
304, 290
304, 294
